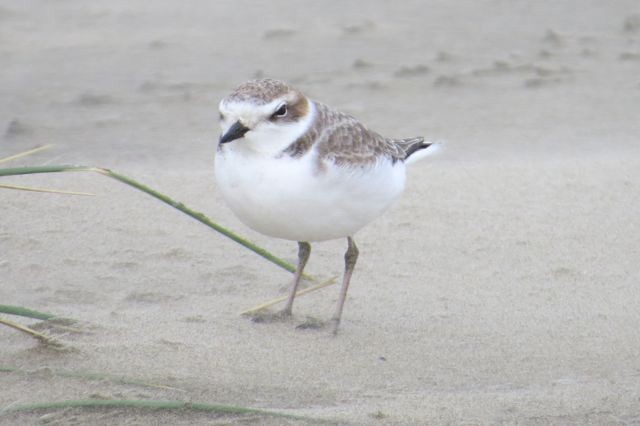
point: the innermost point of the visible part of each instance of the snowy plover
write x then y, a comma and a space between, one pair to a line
293, 168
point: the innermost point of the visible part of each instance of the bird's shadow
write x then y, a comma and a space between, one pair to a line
268, 317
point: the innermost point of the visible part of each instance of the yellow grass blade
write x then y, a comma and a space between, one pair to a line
25, 153
50, 191
277, 300
42, 337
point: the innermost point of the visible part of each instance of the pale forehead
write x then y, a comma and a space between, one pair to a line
259, 92
248, 109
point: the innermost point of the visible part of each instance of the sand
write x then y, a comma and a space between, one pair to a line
501, 289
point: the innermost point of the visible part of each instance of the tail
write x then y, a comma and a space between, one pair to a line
416, 148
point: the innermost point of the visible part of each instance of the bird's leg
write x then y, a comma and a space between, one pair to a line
350, 258
304, 250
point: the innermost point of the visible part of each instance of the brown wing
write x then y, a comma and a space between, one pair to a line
343, 140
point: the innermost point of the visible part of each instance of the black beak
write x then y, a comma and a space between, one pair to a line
236, 131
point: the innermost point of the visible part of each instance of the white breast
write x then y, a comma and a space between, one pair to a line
290, 198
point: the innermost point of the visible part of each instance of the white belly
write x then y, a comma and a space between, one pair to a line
288, 198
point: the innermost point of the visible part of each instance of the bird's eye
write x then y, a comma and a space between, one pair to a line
281, 111
221, 117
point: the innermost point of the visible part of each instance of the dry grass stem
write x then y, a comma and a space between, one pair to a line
277, 300
42, 337
50, 191
25, 153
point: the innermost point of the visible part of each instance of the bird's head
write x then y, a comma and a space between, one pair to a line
263, 116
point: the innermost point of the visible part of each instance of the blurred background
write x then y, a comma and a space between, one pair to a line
139, 81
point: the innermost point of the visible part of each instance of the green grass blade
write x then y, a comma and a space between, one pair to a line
25, 312
14, 171
87, 376
139, 404
201, 218
148, 405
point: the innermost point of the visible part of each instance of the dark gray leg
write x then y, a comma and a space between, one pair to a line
304, 250
350, 258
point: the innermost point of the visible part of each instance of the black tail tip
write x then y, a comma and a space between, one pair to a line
419, 145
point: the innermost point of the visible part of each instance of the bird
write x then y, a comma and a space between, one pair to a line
296, 169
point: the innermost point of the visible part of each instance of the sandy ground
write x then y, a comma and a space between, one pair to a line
501, 289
